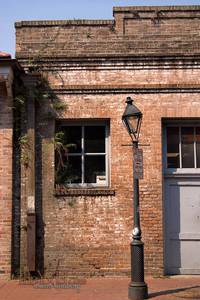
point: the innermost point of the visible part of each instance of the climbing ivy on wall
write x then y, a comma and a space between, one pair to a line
45, 97
61, 156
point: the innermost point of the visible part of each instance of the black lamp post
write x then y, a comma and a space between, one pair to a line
137, 290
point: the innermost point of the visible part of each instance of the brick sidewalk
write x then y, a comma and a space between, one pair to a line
176, 287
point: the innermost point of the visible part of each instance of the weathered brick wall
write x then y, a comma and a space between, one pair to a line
5, 181
136, 31
90, 235
87, 229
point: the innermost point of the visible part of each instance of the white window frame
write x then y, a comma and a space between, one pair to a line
83, 124
180, 171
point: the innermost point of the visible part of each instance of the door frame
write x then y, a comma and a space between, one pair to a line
178, 173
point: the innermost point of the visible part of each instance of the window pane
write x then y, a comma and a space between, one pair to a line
95, 139
187, 147
72, 138
68, 169
198, 146
95, 169
173, 147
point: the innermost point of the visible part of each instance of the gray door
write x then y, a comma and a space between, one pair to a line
182, 226
182, 198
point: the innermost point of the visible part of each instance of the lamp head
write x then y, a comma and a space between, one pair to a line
132, 118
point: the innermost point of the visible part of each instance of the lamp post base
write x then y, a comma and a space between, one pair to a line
137, 288
137, 291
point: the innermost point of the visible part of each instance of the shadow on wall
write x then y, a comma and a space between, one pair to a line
46, 110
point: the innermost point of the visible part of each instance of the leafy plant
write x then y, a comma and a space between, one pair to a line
88, 35
59, 105
23, 143
19, 93
61, 156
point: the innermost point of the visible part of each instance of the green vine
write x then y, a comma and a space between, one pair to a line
20, 94
42, 93
59, 105
61, 158
88, 35
24, 146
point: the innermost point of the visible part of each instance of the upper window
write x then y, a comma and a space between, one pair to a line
81, 154
183, 146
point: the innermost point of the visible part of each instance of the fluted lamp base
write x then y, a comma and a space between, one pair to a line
137, 291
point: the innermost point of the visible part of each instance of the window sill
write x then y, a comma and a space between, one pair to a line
192, 172
61, 190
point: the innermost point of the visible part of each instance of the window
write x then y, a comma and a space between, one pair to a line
183, 146
81, 156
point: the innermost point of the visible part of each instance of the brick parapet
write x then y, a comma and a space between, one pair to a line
160, 30
172, 8
63, 23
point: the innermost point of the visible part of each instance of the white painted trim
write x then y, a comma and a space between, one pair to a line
180, 171
84, 123
186, 236
180, 148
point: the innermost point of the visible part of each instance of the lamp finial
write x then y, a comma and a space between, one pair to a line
129, 100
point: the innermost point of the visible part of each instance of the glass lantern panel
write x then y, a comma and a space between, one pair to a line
133, 123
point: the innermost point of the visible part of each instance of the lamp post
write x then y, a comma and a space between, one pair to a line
137, 290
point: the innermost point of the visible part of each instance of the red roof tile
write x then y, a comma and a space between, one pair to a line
4, 55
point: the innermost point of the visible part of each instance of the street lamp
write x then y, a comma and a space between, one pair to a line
132, 118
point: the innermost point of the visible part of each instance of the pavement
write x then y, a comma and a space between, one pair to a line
115, 288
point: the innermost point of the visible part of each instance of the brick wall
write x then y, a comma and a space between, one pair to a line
135, 31
5, 181
90, 235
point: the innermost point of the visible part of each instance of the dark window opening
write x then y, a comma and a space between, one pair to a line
183, 146
81, 154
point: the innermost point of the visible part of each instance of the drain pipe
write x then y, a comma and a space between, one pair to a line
30, 82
